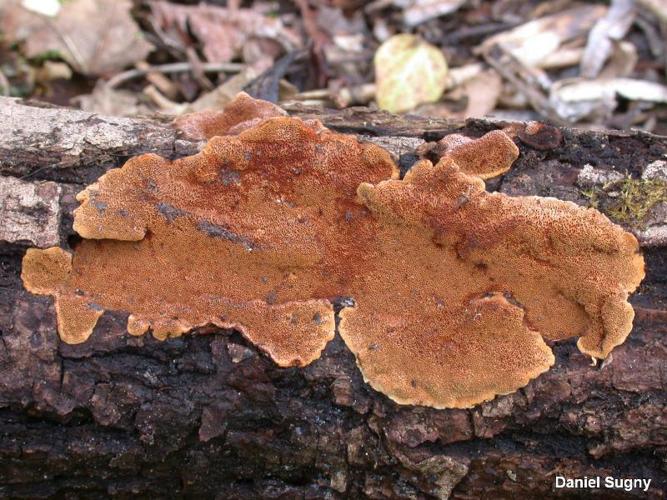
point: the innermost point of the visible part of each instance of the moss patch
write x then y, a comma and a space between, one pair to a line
627, 201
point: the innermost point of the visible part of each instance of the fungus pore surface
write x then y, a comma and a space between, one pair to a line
456, 289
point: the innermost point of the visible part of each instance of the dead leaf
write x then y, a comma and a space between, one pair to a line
408, 72
612, 27
45, 7
52, 70
622, 61
574, 99
562, 58
657, 7
483, 92
417, 11
96, 37
222, 32
479, 94
534, 41
224, 93
107, 101
345, 33
458, 76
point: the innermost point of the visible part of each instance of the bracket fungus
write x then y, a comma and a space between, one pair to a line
456, 290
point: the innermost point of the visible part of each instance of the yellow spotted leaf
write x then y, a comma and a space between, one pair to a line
408, 72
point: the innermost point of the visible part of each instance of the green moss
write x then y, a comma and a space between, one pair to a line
627, 201
49, 55
593, 196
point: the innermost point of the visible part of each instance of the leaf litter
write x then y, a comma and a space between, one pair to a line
591, 64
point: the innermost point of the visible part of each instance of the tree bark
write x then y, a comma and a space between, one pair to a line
208, 415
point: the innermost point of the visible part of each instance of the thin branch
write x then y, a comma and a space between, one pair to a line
179, 67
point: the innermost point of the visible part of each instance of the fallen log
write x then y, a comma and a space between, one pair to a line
209, 415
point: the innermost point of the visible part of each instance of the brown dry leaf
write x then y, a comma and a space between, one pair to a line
111, 102
536, 40
346, 35
96, 37
222, 32
225, 92
481, 94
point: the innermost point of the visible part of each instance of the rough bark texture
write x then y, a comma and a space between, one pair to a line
207, 415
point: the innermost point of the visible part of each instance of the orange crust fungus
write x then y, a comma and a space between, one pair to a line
241, 113
456, 290
489, 156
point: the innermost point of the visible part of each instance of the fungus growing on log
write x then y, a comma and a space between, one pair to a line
486, 157
456, 289
241, 113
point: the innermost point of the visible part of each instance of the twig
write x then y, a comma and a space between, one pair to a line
179, 67
525, 79
164, 103
197, 70
319, 39
160, 80
341, 98
171, 45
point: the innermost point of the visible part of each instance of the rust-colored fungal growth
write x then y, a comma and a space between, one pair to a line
47, 272
244, 235
240, 114
486, 157
569, 268
455, 289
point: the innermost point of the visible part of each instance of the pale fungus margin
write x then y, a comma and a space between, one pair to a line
489, 156
240, 114
456, 289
